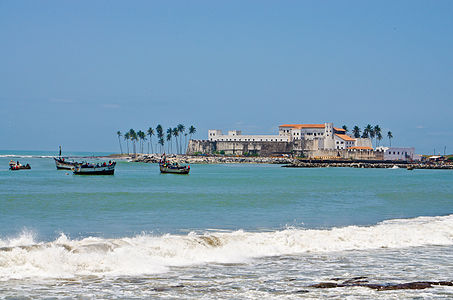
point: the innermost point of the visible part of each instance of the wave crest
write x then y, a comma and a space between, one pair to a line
146, 254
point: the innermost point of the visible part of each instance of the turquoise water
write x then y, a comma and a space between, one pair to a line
225, 214
251, 197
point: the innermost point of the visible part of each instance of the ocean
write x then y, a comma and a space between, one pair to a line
229, 231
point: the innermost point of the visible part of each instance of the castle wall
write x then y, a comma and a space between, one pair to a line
345, 154
239, 147
310, 149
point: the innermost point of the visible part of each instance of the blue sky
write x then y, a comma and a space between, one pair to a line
72, 73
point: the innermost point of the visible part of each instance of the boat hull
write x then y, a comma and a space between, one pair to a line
94, 170
64, 165
20, 168
179, 170
100, 172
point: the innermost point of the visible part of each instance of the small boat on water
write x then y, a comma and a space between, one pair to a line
63, 164
95, 169
14, 166
166, 166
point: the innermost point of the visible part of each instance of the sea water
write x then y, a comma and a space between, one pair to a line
224, 231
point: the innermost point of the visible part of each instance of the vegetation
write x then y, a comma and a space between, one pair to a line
119, 141
172, 134
373, 132
356, 131
390, 136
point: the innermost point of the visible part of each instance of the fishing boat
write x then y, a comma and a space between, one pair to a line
14, 166
95, 169
175, 169
166, 166
63, 164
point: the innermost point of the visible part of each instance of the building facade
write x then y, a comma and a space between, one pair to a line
403, 154
305, 140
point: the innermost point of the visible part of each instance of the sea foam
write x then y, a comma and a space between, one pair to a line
22, 257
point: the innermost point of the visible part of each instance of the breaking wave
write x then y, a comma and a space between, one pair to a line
25, 156
23, 257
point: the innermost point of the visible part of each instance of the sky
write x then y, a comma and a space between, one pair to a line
73, 73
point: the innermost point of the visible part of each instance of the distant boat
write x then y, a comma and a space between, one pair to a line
14, 166
63, 164
95, 169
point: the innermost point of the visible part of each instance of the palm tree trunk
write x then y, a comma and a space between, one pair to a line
121, 148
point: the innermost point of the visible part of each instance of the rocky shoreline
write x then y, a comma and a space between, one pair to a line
287, 162
189, 159
365, 164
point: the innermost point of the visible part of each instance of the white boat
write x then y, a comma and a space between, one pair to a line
95, 169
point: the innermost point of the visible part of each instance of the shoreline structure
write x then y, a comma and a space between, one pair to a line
296, 146
287, 162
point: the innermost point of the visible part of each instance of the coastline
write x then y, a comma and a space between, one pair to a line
286, 162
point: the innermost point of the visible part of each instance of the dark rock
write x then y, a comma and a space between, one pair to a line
417, 285
326, 285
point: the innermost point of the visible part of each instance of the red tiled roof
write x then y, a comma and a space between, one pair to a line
345, 137
361, 148
300, 126
339, 129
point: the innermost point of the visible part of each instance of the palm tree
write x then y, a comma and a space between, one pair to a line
133, 136
372, 133
119, 141
150, 133
356, 131
142, 136
160, 134
127, 136
192, 130
379, 137
169, 140
390, 136
175, 134
169, 135
345, 128
185, 142
377, 132
161, 142
367, 131
181, 130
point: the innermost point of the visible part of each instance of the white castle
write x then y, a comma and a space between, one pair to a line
314, 136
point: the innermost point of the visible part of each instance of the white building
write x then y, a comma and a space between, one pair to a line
237, 136
404, 154
320, 136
